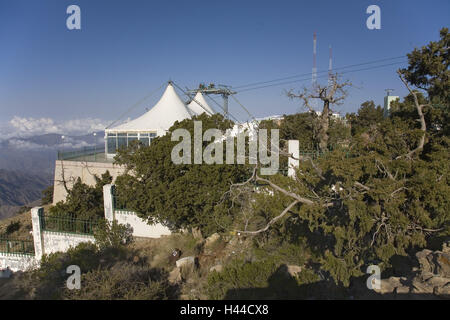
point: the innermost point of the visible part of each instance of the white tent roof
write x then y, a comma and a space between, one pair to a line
197, 109
161, 117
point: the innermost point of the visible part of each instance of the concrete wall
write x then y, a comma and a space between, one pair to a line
21, 262
293, 162
46, 242
69, 171
140, 227
17, 262
61, 242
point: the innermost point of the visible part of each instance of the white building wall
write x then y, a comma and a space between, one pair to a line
387, 104
69, 171
140, 227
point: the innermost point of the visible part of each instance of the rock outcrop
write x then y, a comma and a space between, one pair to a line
186, 261
431, 278
208, 247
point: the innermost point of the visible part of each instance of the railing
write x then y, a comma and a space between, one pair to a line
25, 247
283, 171
314, 152
119, 202
67, 224
93, 153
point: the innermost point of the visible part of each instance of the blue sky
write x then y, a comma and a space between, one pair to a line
127, 49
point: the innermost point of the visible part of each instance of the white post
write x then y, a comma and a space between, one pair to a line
108, 202
36, 212
294, 149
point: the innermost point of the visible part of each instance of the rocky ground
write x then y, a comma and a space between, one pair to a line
429, 277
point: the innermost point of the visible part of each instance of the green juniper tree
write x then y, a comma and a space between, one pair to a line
382, 192
178, 195
387, 198
83, 201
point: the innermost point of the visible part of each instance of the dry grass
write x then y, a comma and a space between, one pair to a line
158, 251
157, 254
24, 223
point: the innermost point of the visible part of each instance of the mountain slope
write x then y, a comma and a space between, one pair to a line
19, 188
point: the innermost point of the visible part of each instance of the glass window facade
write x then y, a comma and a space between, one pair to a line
115, 141
111, 143
121, 140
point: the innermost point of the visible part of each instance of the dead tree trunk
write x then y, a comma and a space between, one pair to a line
324, 125
334, 93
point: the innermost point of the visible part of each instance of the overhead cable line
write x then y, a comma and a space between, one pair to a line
242, 106
134, 106
324, 76
179, 88
322, 71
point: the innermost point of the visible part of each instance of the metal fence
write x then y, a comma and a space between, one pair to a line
119, 202
67, 224
93, 153
312, 154
17, 246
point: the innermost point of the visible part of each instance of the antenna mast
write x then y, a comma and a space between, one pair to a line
330, 67
314, 69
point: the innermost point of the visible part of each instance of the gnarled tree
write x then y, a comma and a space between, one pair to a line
332, 94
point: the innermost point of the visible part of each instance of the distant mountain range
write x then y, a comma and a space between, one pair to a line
19, 188
27, 166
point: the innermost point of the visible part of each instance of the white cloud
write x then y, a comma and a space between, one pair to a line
28, 145
19, 127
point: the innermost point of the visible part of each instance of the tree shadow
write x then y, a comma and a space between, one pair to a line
283, 286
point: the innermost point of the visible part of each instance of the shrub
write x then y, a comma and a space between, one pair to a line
47, 195
109, 273
112, 235
48, 281
122, 281
84, 201
12, 227
239, 275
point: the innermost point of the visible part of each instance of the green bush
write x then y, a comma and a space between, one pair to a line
47, 195
107, 273
239, 275
12, 227
122, 281
112, 235
84, 201
266, 276
48, 281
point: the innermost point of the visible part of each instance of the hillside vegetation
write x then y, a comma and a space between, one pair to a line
370, 190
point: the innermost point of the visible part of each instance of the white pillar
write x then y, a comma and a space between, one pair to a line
36, 212
294, 149
108, 202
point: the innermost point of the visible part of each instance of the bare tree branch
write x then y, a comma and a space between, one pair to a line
333, 93
423, 125
281, 215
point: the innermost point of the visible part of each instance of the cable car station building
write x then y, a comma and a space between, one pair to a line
87, 163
